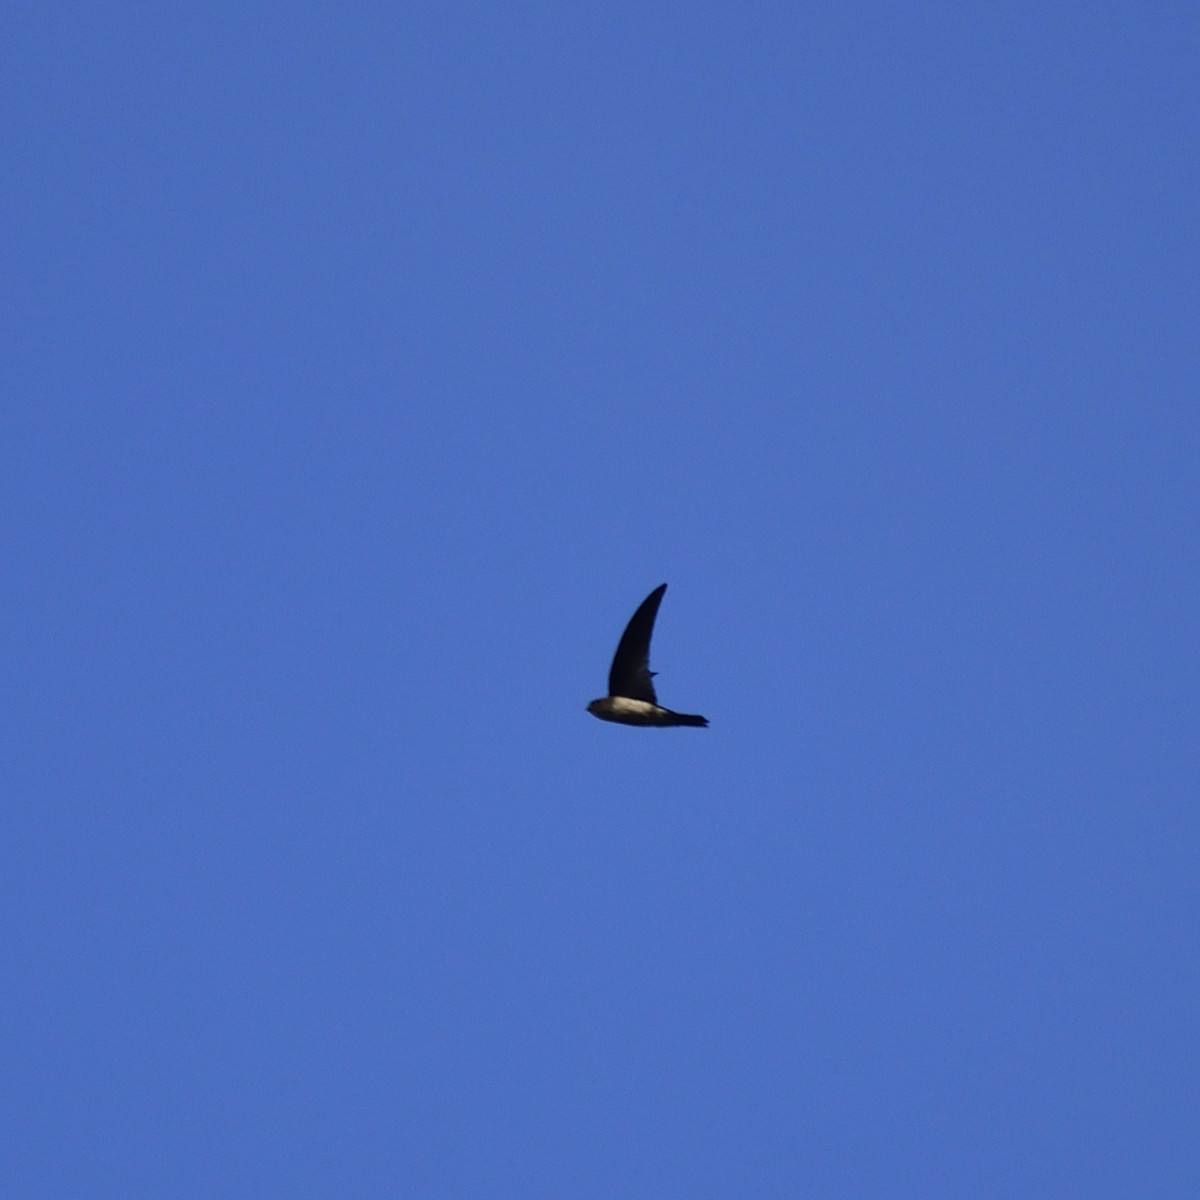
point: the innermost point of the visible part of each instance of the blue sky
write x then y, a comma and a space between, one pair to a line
366, 366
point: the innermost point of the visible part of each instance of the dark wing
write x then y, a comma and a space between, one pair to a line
631, 675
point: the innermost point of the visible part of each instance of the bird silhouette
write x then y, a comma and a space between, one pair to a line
631, 699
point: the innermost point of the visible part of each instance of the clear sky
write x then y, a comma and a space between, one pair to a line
365, 366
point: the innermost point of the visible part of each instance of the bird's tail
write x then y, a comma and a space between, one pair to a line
690, 719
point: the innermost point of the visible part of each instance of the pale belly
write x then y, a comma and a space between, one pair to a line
628, 712
623, 706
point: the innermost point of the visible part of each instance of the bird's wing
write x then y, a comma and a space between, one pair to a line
631, 675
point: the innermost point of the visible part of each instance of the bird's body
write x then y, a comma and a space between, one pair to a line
639, 712
631, 699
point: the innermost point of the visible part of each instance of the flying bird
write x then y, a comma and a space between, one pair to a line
631, 699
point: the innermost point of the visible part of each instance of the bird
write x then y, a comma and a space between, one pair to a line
631, 699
